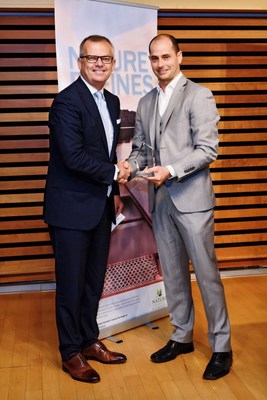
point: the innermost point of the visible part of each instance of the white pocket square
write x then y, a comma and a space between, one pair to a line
118, 121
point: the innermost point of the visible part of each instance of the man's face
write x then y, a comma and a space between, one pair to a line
96, 73
165, 62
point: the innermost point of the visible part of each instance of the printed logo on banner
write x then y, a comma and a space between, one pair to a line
159, 301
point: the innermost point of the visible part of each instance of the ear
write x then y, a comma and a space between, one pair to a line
79, 62
180, 57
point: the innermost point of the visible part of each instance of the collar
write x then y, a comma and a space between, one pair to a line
171, 85
92, 89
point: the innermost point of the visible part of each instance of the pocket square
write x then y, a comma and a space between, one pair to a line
118, 121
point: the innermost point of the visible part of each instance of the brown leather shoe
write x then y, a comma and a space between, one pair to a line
80, 370
98, 351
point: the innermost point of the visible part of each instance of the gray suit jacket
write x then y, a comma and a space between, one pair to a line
188, 141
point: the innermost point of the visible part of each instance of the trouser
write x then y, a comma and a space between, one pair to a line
182, 237
80, 259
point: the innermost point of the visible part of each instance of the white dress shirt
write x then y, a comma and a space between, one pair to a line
164, 98
93, 90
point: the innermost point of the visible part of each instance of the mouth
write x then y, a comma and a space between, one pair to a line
99, 70
162, 71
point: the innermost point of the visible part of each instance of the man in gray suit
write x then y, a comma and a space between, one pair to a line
178, 119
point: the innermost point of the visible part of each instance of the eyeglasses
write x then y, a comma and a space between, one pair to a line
93, 59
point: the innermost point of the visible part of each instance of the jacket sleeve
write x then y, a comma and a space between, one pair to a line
203, 120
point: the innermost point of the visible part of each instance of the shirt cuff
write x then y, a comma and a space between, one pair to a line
116, 173
171, 171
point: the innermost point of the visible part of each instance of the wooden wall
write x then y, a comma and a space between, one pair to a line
28, 85
224, 52
227, 52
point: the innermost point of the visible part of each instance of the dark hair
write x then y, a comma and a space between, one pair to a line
95, 38
175, 44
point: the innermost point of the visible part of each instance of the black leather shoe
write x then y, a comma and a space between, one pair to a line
171, 351
219, 365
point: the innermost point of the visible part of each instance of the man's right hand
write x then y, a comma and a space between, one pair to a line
125, 171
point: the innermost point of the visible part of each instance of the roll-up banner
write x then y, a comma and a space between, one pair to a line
134, 291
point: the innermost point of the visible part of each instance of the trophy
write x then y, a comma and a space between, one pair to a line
145, 158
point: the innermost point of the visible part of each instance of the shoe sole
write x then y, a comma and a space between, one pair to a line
213, 378
104, 362
78, 379
173, 357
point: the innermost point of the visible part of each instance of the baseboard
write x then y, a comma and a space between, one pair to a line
43, 286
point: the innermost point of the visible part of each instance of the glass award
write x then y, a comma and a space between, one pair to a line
145, 158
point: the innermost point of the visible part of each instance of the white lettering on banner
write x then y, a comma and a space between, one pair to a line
131, 76
130, 84
131, 61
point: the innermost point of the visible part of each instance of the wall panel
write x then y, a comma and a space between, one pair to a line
227, 52
28, 77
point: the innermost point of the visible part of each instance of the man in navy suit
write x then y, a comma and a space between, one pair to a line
81, 201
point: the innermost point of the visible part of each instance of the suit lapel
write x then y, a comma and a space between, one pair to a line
152, 116
91, 106
113, 115
178, 90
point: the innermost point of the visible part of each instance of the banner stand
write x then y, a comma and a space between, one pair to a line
134, 292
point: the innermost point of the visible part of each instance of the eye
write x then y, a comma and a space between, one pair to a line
107, 59
92, 59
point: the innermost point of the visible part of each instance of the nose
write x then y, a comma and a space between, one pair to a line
99, 61
160, 62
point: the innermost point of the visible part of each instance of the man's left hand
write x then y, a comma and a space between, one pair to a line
160, 175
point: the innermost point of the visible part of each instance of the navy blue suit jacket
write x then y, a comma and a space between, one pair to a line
80, 168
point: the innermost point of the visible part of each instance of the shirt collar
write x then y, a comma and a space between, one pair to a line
171, 85
92, 89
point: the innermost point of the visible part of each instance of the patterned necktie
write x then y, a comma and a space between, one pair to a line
103, 109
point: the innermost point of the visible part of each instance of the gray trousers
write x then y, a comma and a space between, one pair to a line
181, 237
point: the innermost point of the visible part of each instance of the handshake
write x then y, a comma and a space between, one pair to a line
125, 171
